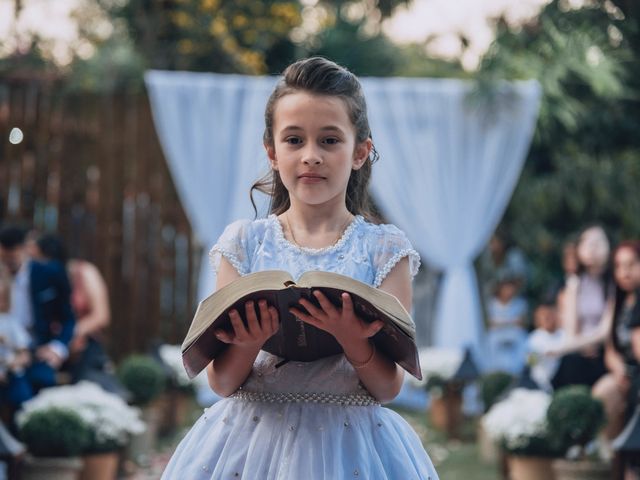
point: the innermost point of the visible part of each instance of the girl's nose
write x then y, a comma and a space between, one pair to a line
311, 156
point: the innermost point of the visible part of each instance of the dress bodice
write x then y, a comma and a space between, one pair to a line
365, 252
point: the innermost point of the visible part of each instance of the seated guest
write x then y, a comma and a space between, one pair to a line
586, 310
88, 359
14, 354
618, 389
40, 302
544, 339
506, 337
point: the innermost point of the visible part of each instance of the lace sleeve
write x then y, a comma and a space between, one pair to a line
392, 246
232, 245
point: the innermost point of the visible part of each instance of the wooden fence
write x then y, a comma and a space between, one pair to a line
91, 169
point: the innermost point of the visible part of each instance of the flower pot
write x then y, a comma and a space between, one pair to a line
581, 470
142, 444
446, 411
522, 467
100, 466
488, 449
175, 405
51, 468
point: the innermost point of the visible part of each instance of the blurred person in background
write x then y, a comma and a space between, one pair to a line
90, 302
619, 388
586, 312
500, 258
545, 337
570, 268
14, 354
40, 301
506, 336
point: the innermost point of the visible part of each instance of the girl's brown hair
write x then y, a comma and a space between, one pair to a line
319, 76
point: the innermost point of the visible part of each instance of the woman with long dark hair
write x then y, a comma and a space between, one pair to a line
619, 388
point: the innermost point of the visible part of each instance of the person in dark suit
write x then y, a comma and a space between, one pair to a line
41, 302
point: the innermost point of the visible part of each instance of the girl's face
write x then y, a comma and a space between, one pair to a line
315, 148
593, 249
625, 266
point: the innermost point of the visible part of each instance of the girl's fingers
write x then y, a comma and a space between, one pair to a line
374, 328
237, 324
268, 318
223, 336
304, 317
326, 305
347, 304
253, 326
275, 320
311, 308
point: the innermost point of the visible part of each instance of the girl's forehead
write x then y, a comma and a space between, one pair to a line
308, 107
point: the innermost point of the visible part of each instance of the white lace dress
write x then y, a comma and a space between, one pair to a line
304, 420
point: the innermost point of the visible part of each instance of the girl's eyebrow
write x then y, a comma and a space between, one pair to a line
328, 128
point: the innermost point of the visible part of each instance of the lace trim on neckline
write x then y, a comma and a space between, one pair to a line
314, 251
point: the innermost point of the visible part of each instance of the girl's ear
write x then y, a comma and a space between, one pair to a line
361, 153
271, 154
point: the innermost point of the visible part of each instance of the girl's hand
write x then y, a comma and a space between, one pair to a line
257, 330
342, 323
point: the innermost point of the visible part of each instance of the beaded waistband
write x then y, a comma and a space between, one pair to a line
348, 400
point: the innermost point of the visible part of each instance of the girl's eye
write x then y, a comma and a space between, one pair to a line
331, 140
293, 140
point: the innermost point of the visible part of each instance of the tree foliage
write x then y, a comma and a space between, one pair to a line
583, 165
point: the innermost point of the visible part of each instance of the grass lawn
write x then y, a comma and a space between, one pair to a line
453, 459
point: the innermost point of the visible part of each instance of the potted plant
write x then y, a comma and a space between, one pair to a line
445, 372
55, 437
493, 386
145, 378
518, 423
110, 421
575, 418
180, 389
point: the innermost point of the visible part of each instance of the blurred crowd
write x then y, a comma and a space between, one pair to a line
585, 329
53, 314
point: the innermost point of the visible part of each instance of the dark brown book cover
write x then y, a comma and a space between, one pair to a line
296, 340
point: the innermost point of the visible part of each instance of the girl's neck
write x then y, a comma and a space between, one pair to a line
315, 228
318, 219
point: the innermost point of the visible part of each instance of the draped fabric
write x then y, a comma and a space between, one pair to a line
449, 163
210, 127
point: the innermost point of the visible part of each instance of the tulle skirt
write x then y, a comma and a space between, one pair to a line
251, 440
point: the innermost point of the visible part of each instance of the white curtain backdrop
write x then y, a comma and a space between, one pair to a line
448, 166
449, 163
210, 127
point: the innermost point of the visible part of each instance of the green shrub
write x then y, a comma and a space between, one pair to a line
574, 417
143, 377
55, 432
493, 386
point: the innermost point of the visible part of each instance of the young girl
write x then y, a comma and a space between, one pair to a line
507, 336
322, 419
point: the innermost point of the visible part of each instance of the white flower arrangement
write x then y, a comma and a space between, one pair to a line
171, 355
518, 419
438, 363
111, 420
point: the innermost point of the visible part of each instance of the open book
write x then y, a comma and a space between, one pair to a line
296, 340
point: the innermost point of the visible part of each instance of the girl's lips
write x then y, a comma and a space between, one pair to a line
310, 178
